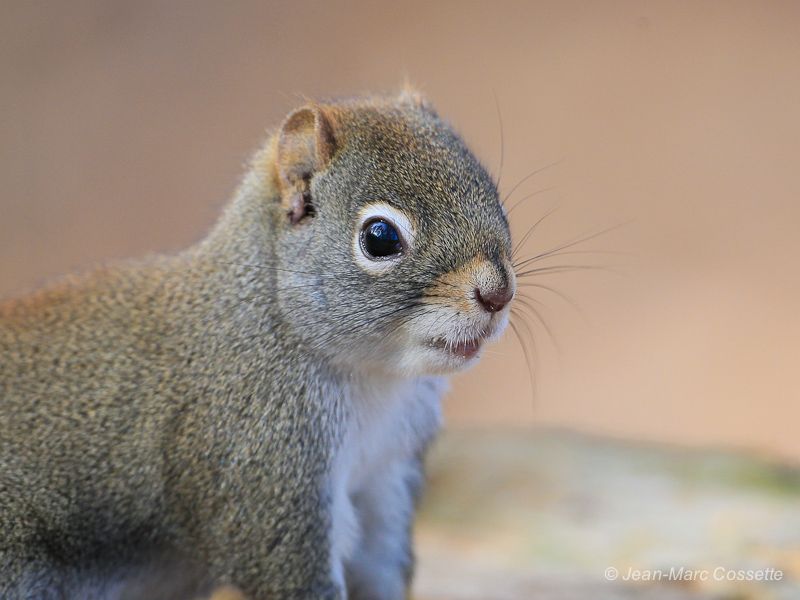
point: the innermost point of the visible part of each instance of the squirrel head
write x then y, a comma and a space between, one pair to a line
392, 249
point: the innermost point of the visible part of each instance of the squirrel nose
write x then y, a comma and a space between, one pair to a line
494, 300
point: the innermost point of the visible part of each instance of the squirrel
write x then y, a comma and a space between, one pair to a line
255, 409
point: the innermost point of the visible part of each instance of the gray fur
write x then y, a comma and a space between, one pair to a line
185, 414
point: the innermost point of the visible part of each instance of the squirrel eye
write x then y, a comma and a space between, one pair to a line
380, 240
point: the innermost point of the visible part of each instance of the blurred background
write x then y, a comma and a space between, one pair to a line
124, 127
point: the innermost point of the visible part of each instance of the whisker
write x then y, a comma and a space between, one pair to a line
524, 239
538, 315
565, 269
571, 252
350, 322
414, 316
520, 201
526, 353
571, 244
502, 143
529, 175
568, 299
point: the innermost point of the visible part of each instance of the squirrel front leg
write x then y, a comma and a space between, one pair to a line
283, 561
267, 534
382, 564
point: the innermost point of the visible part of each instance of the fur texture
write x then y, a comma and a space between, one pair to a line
253, 411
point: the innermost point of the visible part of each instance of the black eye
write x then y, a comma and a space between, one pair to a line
379, 239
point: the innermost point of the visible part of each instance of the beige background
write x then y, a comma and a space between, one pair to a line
124, 126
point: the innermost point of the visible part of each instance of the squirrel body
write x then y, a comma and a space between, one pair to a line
255, 410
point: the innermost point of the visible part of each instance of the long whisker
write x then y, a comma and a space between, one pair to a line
568, 299
521, 200
538, 315
582, 252
354, 319
502, 142
570, 244
566, 269
417, 315
326, 274
527, 354
529, 175
530, 231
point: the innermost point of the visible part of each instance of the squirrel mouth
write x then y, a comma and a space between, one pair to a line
464, 349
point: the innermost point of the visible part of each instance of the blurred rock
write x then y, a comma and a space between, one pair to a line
544, 514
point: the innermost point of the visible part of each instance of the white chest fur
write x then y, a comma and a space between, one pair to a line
387, 427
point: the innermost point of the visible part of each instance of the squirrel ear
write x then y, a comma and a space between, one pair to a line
305, 147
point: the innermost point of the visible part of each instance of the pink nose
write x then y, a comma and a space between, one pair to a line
494, 300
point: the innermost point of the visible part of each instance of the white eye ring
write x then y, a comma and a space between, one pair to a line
397, 219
